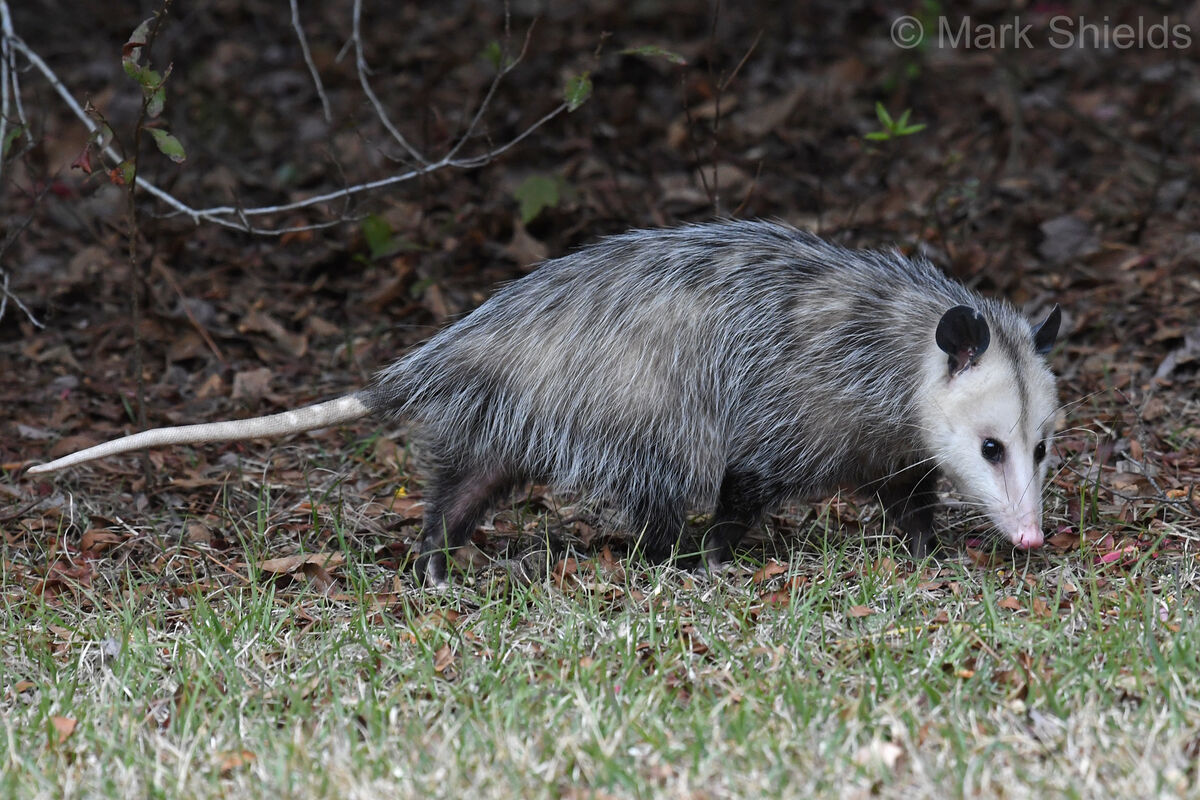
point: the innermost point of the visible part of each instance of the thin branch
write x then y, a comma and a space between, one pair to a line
360, 63
6, 295
10, 84
487, 98
312, 68
10, 237
239, 218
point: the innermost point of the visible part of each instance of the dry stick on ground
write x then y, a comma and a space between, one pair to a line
162, 269
240, 218
1013, 162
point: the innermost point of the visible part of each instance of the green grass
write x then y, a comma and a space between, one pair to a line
1046, 678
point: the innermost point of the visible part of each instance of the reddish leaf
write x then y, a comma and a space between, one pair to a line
235, 760
83, 161
64, 727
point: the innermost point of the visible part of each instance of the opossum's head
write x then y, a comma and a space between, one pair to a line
990, 413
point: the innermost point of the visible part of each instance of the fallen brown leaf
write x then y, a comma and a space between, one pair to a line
99, 540
768, 571
288, 564
64, 726
443, 660
235, 760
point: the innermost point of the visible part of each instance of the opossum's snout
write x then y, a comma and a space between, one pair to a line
1025, 530
1018, 519
1029, 536
1015, 500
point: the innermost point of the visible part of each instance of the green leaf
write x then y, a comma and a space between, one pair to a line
920, 126
654, 51
378, 235
155, 102
9, 138
122, 174
878, 136
150, 79
884, 117
579, 89
168, 145
131, 53
102, 135
900, 123
493, 54
536, 193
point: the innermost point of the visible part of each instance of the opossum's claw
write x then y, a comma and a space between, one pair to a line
430, 569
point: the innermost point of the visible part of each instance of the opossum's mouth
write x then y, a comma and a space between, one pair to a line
1029, 537
1024, 532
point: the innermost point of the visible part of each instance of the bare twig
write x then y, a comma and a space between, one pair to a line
312, 68
241, 218
360, 63
10, 86
6, 295
11, 236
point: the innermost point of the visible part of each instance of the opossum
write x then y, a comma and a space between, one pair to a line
723, 366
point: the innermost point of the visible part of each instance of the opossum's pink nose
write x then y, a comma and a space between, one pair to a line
1029, 536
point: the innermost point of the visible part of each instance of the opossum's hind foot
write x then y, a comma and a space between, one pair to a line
741, 505
456, 501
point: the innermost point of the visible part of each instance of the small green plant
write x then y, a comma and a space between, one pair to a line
378, 236
893, 129
152, 83
578, 90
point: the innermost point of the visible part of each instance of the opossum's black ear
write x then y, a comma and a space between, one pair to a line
962, 334
1045, 334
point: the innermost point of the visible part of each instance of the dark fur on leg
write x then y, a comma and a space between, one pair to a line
457, 501
740, 507
656, 525
912, 504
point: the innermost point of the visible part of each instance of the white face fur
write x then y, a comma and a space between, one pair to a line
989, 429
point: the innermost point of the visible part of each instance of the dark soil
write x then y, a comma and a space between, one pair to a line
1044, 174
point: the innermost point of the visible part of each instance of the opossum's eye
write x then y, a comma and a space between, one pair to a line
992, 450
1039, 452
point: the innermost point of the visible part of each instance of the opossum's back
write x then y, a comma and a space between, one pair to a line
629, 356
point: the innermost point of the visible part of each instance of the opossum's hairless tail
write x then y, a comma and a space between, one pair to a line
321, 415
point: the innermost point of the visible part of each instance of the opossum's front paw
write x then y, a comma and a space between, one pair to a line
921, 544
430, 569
716, 559
714, 567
